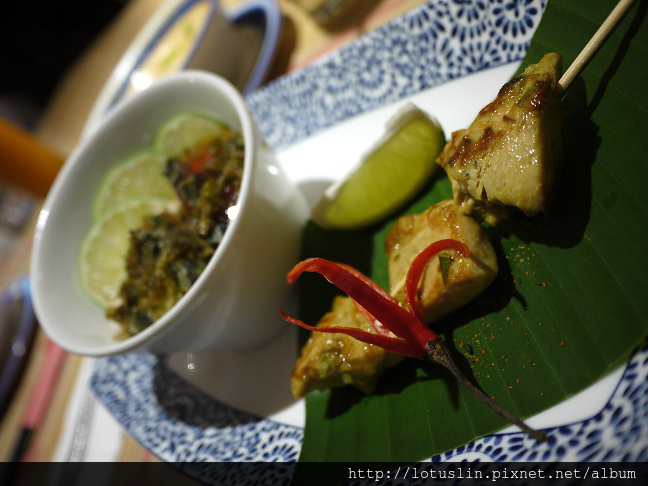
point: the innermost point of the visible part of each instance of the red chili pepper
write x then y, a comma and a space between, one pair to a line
380, 305
412, 337
418, 266
197, 162
377, 326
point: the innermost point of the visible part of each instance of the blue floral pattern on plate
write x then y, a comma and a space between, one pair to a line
432, 44
179, 423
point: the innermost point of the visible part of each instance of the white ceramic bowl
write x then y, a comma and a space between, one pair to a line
235, 302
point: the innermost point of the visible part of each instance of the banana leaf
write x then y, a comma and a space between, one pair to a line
567, 306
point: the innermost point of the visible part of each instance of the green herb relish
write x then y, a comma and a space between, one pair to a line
170, 251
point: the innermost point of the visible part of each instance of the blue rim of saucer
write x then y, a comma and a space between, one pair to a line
272, 16
267, 10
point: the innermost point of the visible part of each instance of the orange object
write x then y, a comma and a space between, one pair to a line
25, 162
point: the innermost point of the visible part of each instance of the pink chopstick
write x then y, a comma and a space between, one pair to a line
40, 398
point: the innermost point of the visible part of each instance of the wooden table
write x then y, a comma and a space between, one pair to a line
302, 40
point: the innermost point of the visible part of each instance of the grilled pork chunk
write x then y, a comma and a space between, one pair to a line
333, 360
510, 153
466, 277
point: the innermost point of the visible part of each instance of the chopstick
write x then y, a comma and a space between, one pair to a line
40, 397
594, 44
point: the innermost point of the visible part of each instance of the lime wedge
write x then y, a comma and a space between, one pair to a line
103, 253
393, 171
141, 176
185, 131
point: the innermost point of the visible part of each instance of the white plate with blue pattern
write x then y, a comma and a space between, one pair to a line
234, 406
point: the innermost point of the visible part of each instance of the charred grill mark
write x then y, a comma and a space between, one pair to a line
510, 84
469, 151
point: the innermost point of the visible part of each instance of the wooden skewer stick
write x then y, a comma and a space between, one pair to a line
592, 47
